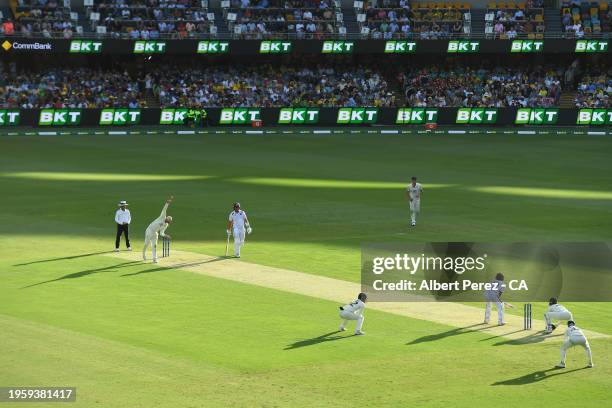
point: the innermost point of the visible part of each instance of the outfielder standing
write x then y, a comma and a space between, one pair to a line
155, 229
574, 337
414, 191
354, 311
236, 225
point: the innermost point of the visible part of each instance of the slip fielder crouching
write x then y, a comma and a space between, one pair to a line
354, 311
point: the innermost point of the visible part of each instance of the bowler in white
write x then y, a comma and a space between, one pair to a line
156, 229
237, 225
354, 311
555, 312
575, 337
414, 191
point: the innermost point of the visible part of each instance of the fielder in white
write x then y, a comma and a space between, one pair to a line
354, 311
555, 312
156, 229
574, 337
414, 191
236, 225
494, 296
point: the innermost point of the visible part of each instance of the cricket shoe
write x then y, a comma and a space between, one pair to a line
342, 328
359, 333
116, 249
485, 322
591, 365
129, 248
413, 224
501, 323
155, 261
560, 365
552, 327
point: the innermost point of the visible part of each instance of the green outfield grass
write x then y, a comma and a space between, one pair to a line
129, 334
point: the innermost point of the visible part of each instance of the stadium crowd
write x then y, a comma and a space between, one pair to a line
268, 86
69, 88
390, 19
462, 85
301, 18
594, 89
301, 84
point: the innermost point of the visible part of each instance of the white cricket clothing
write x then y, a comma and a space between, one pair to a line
156, 229
556, 312
415, 191
239, 220
353, 311
123, 216
493, 296
415, 200
575, 337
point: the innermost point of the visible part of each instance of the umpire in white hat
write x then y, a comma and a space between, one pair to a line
123, 218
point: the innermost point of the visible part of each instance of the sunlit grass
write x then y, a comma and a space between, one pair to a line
546, 192
328, 183
57, 176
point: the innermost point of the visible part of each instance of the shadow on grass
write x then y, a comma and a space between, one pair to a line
449, 333
175, 266
502, 335
532, 338
537, 376
63, 258
86, 272
318, 340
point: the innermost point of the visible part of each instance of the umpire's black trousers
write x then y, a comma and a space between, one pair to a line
122, 229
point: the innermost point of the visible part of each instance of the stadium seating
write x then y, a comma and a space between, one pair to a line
463, 85
508, 20
284, 18
594, 89
390, 19
76, 88
144, 19
584, 18
304, 83
44, 18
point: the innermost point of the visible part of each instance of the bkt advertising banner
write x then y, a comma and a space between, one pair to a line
212, 47
307, 116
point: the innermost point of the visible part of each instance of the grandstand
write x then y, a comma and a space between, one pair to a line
303, 19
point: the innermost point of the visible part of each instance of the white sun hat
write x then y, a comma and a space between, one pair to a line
122, 202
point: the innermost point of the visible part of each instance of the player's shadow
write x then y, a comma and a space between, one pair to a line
497, 336
64, 258
331, 336
453, 332
174, 266
86, 272
537, 376
532, 338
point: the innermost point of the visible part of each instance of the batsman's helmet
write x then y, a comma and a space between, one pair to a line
552, 301
571, 323
362, 296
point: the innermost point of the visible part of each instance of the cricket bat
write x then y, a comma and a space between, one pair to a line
227, 244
